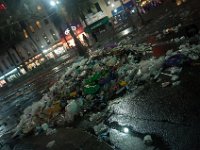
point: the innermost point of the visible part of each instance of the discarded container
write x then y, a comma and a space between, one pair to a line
55, 108
100, 128
165, 84
45, 126
51, 131
176, 60
174, 78
73, 94
91, 89
94, 78
120, 90
176, 83
123, 83
148, 140
51, 144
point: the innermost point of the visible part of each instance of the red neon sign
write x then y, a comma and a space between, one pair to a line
2, 6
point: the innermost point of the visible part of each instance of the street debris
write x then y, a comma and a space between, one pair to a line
172, 29
51, 144
148, 140
165, 84
111, 72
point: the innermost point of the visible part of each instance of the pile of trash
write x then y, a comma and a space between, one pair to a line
88, 84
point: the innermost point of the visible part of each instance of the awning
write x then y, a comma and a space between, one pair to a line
96, 24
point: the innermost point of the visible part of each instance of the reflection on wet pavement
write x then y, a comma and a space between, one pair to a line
16, 100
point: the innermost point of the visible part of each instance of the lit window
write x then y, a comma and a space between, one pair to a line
39, 7
38, 24
46, 38
32, 29
53, 35
25, 34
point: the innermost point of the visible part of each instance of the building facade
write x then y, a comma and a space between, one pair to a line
9, 62
108, 6
41, 39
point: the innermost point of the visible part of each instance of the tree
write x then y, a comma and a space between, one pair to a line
10, 30
74, 9
77, 8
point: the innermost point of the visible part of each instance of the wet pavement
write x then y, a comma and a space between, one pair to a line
65, 138
17, 99
171, 113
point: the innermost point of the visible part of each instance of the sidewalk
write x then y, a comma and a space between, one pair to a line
65, 138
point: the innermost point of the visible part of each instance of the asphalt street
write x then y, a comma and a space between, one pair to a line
16, 100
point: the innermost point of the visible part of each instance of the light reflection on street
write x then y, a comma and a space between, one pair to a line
16, 100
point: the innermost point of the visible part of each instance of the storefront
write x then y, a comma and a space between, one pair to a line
2, 83
34, 62
55, 51
96, 22
9, 76
100, 24
78, 31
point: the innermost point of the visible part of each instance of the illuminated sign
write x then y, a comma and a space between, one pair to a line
2, 7
67, 31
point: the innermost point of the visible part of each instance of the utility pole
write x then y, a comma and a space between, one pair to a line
80, 48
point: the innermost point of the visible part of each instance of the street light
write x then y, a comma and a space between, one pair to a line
52, 3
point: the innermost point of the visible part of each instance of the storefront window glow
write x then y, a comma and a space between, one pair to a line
25, 33
2, 83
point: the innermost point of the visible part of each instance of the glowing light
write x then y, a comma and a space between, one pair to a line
57, 2
9, 73
39, 7
115, 10
126, 130
126, 31
52, 3
45, 51
67, 31
112, 5
2, 6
